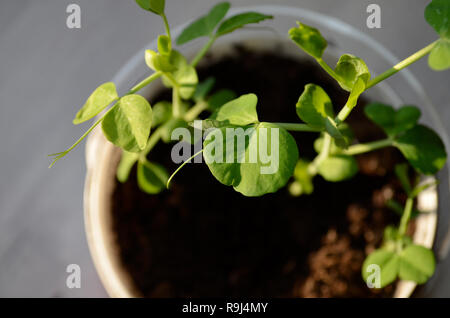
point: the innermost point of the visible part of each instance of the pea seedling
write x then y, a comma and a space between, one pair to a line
127, 123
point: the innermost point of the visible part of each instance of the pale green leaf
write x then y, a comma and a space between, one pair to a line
314, 106
127, 161
349, 68
103, 95
416, 264
240, 111
127, 125
439, 58
388, 263
338, 168
308, 39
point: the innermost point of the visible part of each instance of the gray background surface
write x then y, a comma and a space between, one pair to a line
46, 72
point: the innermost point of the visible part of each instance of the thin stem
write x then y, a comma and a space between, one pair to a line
203, 51
180, 167
405, 63
176, 109
405, 217
196, 110
152, 141
144, 83
166, 25
297, 127
371, 146
328, 69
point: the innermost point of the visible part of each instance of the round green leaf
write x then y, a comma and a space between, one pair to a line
239, 21
246, 176
437, 14
349, 68
127, 161
416, 264
158, 62
314, 106
152, 177
155, 6
388, 263
423, 149
390, 120
303, 177
308, 39
205, 25
240, 111
127, 125
103, 95
338, 168
439, 58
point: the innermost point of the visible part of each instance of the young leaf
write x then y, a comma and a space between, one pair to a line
303, 177
128, 124
416, 264
162, 112
437, 14
391, 121
220, 98
388, 262
423, 148
205, 25
203, 89
338, 168
245, 176
240, 111
155, 6
184, 74
314, 106
308, 39
439, 58
164, 45
127, 162
357, 90
159, 62
349, 68
151, 177
104, 95
239, 21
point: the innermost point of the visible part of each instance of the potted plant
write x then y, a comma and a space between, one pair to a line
307, 199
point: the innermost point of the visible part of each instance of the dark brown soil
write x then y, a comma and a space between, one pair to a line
204, 239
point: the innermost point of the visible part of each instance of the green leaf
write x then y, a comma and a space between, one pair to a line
184, 74
151, 177
220, 98
155, 6
104, 95
338, 168
314, 106
240, 111
439, 58
127, 161
349, 68
164, 45
423, 149
170, 126
390, 120
333, 130
128, 123
437, 14
308, 39
357, 90
416, 264
158, 62
205, 25
345, 131
162, 112
303, 177
388, 262
246, 176
203, 89
240, 20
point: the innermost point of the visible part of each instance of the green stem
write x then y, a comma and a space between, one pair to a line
405, 217
371, 146
343, 114
328, 69
297, 127
203, 51
166, 25
196, 110
152, 141
405, 63
144, 83
180, 167
324, 153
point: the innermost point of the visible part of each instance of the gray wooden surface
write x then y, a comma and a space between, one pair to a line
46, 72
